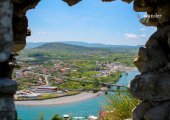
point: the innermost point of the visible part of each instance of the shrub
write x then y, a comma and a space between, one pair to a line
41, 116
56, 117
119, 106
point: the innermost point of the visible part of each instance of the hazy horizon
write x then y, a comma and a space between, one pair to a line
79, 41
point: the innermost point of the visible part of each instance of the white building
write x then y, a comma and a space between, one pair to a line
26, 94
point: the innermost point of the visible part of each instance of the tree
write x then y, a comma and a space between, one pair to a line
56, 117
96, 83
41, 116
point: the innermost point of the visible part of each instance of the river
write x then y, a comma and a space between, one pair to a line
83, 108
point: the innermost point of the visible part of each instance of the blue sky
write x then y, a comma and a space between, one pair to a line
89, 21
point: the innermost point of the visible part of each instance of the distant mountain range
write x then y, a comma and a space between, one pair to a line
34, 45
81, 44
97, 45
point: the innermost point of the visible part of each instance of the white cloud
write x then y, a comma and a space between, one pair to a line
143, 35
41, 33
143, 29
131, 36
135, 36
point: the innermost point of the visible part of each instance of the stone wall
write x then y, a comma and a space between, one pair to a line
7, 87
153, 61
13, 32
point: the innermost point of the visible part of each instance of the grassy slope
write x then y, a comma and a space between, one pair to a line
63, 51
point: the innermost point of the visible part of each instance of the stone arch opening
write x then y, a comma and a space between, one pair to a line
152, 62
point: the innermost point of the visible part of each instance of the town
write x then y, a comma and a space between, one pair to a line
55, 69
48, 80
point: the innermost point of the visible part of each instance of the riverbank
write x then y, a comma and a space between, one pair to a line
129, 69
87, 107
59, 101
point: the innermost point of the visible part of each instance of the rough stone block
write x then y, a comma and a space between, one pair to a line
140, 110
7, 86
5, 29
159, 112
151, 87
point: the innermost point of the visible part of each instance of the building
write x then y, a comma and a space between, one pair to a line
46, 89
26, 94
66, 117
19, 75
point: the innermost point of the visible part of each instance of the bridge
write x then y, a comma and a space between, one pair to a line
118, 88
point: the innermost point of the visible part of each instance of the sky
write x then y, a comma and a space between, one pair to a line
89, 21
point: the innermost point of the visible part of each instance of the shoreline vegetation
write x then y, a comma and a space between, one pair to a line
59, 101
123, 103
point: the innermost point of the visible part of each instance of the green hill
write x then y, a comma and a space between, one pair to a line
55, 46
81, 44
61, 51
